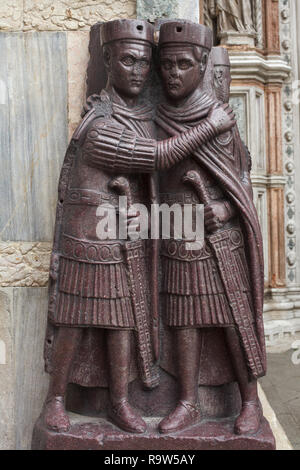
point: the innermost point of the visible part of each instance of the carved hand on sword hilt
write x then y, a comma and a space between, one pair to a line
216, 213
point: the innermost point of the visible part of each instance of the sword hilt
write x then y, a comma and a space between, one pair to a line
122, 185
194, 178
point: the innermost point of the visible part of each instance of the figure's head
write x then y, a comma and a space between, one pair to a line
183, 53
221, 73
127, 51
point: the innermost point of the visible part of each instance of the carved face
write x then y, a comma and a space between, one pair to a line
222, 80
128, 67
181, 71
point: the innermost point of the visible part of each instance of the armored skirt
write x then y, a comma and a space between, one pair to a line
194, 294
93, 287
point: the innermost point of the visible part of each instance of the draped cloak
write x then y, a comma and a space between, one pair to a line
218, 160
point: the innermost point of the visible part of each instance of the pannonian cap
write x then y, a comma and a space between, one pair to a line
185, 32
220, 56
126, 29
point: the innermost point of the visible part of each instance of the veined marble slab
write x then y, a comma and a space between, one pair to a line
31, 382
33, 132
7, 428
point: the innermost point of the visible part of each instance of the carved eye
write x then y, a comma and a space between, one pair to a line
144, 63
185, 64
128, 61
167, 65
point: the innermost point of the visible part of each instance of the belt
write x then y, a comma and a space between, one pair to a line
91, 252
90, 197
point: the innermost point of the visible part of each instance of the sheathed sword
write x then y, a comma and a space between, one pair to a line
220, 244
135, 260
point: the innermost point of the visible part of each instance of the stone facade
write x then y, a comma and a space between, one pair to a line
44, 55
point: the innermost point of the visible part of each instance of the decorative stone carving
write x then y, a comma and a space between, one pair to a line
71, 15
24, 264
11, 15
153, 9
285, 9
235, 21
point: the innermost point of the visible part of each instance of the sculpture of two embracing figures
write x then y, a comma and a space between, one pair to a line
143, 327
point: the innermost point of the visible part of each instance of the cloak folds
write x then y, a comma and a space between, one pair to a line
215, 159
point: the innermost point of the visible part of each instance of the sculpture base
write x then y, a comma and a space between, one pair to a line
99, 434
232, 38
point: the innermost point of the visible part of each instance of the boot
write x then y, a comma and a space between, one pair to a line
187, 411
126, 418
54, 412
120, 411
55, 416
185, 415
249, 420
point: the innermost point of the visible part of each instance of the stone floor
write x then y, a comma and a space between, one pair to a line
282, 389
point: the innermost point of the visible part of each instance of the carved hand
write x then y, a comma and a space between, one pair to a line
217, 214
222, 118
54, 265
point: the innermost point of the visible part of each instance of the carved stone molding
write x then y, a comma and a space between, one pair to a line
253, 66
288, 131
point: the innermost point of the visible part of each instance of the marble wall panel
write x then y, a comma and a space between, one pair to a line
33, 132
7, 411
78, 57
31, 382
248, 104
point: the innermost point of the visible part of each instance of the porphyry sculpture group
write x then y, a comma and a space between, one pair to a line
121, 309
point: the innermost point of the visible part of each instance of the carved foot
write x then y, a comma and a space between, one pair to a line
126, 418
249, 419
55, 416
185, 415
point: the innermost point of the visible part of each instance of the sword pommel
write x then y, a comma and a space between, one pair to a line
194, 178
122, 186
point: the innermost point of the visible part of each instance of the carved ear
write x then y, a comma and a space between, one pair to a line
107, 57
203, 62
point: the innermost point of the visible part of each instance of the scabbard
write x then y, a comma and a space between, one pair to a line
154, 275
240, 308
135, 259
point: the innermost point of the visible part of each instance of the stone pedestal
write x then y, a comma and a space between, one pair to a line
99, 434
232, 38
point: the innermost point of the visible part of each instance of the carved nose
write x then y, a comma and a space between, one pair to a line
174, 72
